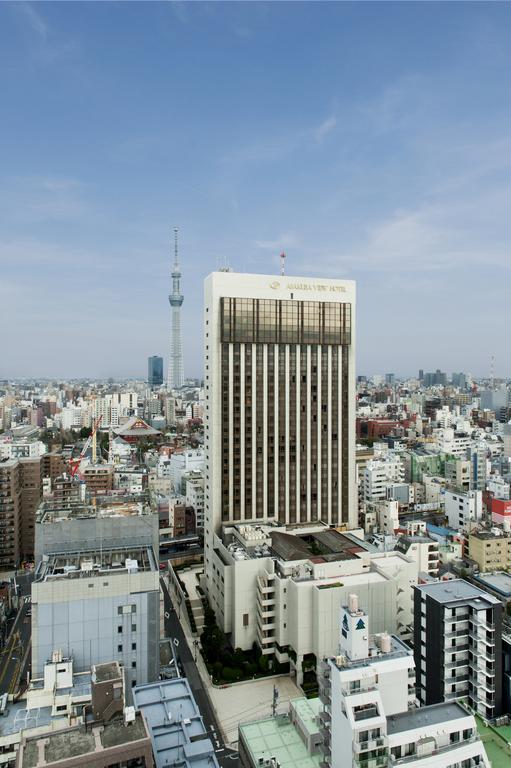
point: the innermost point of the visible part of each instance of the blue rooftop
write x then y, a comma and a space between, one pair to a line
175, 723
441, 530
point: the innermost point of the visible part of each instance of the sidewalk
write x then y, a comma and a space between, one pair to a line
241, 702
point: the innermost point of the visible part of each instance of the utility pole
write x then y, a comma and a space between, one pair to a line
275, 701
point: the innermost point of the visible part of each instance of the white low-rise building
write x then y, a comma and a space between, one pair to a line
283, 588
369, 715
379, 474
464, 511
21, 449
180, 464
194, 496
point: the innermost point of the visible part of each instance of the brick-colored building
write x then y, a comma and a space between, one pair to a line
10, 514
98, 478
31, 494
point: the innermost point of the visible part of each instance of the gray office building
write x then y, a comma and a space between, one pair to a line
95, 595
97, 606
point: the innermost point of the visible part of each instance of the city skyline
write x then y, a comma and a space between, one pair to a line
378, 156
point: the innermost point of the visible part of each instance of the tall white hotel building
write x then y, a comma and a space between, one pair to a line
280, 402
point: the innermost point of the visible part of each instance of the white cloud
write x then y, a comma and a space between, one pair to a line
326, 127
281, 243
34, 18
28, 200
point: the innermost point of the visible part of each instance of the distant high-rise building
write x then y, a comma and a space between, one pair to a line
459, 380
280, 401
155, 371
436, 379
175, 374
390, 379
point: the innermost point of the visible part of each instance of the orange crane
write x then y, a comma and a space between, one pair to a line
75, 463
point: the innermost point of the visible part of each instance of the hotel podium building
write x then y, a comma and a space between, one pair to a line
280, 403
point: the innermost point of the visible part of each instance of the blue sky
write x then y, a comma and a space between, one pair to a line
370, 141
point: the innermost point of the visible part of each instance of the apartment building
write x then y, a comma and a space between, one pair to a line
369, 718
98, 478
381, 473
491, 550
31, 494
21, 449
194, 496
464, 511
423, 550
458, 645
10, 514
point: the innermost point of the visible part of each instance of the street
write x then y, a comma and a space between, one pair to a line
15, 657
227, 757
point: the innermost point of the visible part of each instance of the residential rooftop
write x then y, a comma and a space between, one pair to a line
490, 535
458, 592
398, 650
177, 732
499, 581
101, 673
277, 737
429, 715
78, 741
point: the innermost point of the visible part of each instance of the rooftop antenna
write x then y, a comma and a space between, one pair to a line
492, 372
282, 263
175, 247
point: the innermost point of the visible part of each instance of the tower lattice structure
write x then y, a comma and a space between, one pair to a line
175, 374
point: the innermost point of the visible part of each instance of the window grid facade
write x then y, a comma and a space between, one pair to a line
285, 410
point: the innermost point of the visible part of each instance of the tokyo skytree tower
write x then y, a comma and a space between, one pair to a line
175, 374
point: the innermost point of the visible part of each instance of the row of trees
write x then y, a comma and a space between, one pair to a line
228, 666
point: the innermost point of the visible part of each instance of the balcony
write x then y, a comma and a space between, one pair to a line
457, 633
325, 717
457, 663
480, 623
365, 714
378, 761
459, 678
365, 746
440, 751
352, 690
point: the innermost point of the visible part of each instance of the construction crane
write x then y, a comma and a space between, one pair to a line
75, 463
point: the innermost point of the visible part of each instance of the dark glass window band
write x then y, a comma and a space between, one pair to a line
282, 321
